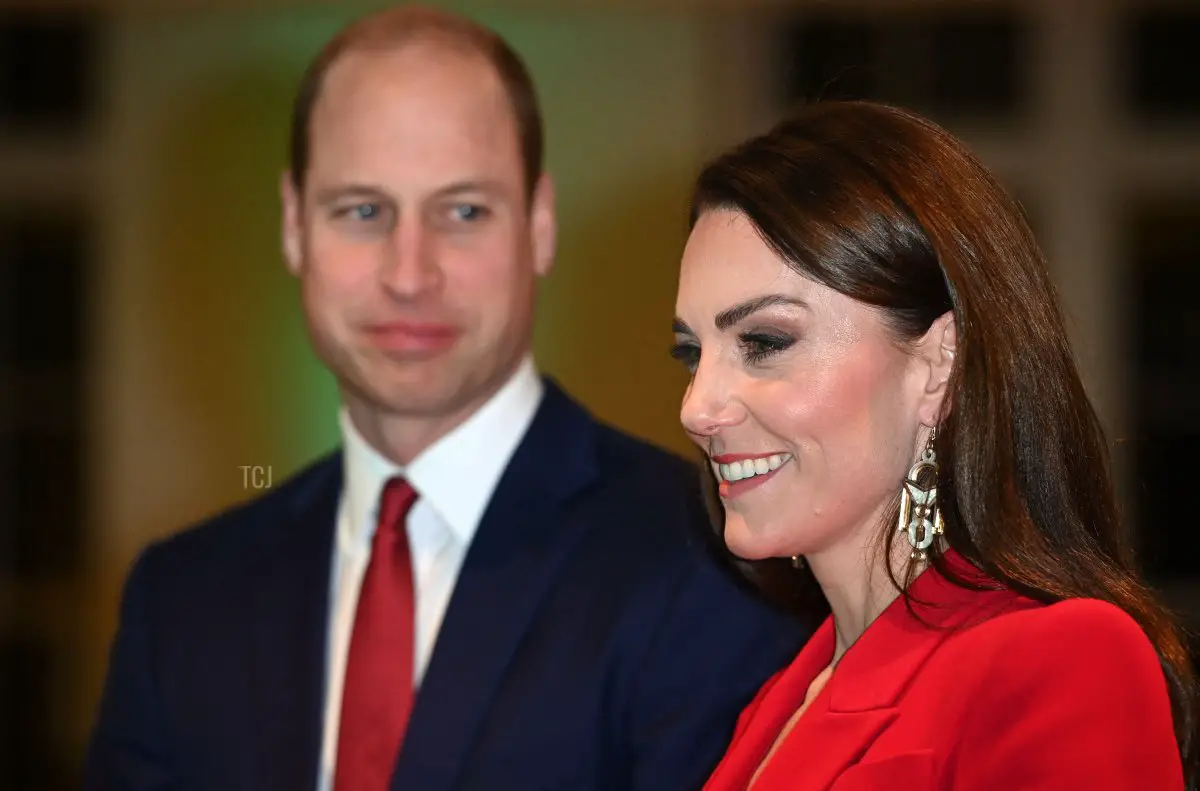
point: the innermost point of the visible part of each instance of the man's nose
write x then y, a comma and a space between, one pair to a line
411, 266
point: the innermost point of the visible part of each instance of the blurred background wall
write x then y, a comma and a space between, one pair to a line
151, 347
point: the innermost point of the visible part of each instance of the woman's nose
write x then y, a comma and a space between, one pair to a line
709, 404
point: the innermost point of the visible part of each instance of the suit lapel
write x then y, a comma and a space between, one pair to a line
289, 622
766, 718
515, 557
878, 668
860, 700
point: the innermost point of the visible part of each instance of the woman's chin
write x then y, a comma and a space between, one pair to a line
746, 544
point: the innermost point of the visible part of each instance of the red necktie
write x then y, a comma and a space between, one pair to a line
378, 689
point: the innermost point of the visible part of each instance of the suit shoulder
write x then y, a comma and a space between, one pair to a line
619, 448
657, 491
1053, 637
651, 498
617, 453
229, 530
1077, 622
655, 482
1062, 695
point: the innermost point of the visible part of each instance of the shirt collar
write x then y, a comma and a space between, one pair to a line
457, 474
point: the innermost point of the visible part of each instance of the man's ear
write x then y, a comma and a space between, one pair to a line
543, 225
937, 351
292, 223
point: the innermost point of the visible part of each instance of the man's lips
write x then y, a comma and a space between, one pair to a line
414, 336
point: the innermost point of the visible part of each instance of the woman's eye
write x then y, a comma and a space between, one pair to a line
688, 354
758, 346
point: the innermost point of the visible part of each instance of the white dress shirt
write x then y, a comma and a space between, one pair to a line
454, 479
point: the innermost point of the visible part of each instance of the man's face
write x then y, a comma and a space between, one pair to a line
416, 244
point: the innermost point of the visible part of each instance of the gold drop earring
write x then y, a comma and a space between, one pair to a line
920, 513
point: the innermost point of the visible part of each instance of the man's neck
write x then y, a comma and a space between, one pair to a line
402, 437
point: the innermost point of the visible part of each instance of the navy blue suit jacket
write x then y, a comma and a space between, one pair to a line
592, 640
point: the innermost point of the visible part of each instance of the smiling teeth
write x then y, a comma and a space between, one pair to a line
748, 468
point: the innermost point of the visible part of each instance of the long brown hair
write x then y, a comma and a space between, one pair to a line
890, 209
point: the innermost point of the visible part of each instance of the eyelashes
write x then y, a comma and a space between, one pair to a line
688, 354
756, 347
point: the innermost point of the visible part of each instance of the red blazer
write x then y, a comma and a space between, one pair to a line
994, 692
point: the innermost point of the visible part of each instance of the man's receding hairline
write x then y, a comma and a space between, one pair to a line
469, 56
398, 28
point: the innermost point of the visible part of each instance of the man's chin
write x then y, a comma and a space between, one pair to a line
415, 401
434, 388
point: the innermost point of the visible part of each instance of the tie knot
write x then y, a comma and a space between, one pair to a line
398, 497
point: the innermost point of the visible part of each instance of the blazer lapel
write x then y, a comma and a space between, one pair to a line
765, 718
860, 700
514, 558
878, 668
289, 642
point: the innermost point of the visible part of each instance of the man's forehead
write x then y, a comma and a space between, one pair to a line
422, 68
415, 118
370, 95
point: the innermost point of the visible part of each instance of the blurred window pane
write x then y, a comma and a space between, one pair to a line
28, 677
1163, 74
952, 64
45, 488
978, 65
830, 59
44, 255
1164, 257
48, 69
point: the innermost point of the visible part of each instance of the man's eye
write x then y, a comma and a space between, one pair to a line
362, 212
468, 212
366, 211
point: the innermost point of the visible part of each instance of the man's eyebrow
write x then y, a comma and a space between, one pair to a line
342, 191
489, 186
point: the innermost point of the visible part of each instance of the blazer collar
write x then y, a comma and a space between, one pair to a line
521, 543
287, 630
860, 699
526, 536
875, 670
455, 476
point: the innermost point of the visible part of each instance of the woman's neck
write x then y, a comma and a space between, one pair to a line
858, 588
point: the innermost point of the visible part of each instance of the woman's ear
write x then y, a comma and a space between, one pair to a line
937, 350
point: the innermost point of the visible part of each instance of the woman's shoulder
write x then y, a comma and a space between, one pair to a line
1075, 619
994, 612
1071, 693
1039, 637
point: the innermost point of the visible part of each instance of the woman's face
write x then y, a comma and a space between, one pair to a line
808, 409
